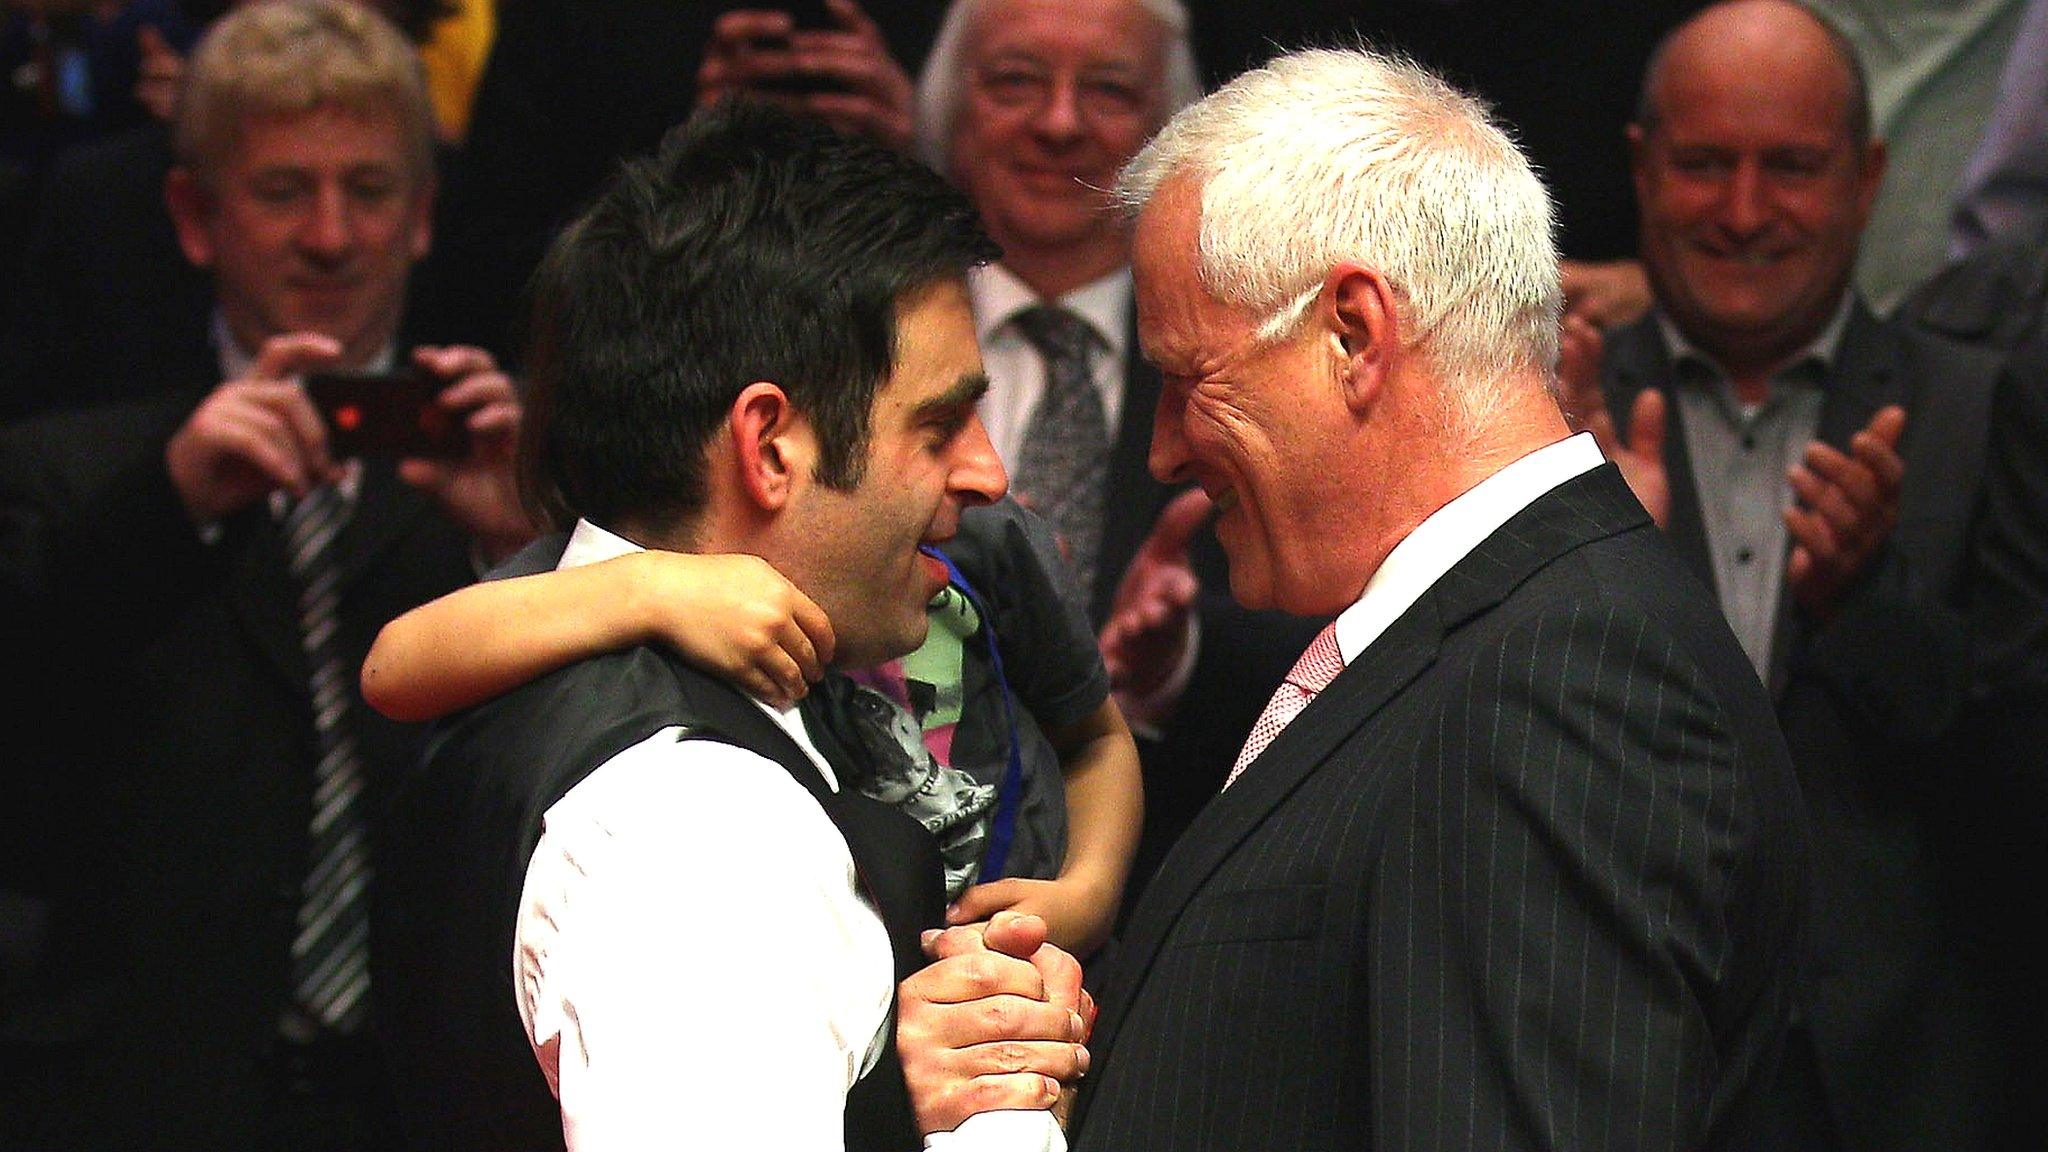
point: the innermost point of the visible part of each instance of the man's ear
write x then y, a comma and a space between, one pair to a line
771, 444
1366, 326
191, 205
1638, 161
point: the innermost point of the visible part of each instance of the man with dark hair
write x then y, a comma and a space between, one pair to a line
756, 341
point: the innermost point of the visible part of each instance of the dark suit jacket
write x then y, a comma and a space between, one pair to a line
1526, 875
106, 297
173, 692
1892, 983
1994, 299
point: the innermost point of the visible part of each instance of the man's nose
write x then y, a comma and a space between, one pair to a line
1744, 207
1168, 458
328, 230
1059, 115
977, 476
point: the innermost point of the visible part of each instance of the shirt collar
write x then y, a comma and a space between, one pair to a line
1822, 350
1451, 533
590, 544
235, 361
997, 295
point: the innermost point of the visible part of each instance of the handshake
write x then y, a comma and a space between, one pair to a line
998, 1021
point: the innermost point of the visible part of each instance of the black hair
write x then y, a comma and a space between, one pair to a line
755, 244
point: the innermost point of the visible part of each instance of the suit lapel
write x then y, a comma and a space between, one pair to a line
1586, 508
1864, 378
264, 596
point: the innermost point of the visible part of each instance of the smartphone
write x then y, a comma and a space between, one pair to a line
394, 413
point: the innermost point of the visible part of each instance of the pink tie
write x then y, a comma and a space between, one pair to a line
1310, 675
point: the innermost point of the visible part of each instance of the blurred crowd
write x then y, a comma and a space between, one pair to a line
1805, 280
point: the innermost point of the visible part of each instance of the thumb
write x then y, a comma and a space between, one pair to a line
1178, 522
1646, 426
1889, 424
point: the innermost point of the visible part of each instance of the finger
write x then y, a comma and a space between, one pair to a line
1800, 566
1016, 933
963, 1024
1178, 522
1830, 503
1855, 484
773, 679
848, 114
432, 476
1578, 364
257, 436
292, 354
818, 638
309, 432
993, 977
150, 42
1058, 1059
750, 26
983, 901
453, 361
1646, 426
1061, 974
1876, 448
1021, 1091
853, 62
476, 389
947, 943
852, 19
1812, 532
1889, 425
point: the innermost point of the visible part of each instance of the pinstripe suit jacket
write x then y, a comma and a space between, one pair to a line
1526, 875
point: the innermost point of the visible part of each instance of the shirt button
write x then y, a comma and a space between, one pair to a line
1744, 556
1748, 442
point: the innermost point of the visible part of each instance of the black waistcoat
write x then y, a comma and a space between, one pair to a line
454, 859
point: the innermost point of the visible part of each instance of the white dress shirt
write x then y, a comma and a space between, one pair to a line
1452, 532
1016, 372
693, 959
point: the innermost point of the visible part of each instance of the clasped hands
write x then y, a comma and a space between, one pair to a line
999, 1020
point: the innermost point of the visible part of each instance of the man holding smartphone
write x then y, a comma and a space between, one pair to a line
213, 576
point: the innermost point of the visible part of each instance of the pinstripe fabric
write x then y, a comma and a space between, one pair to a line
1526, 875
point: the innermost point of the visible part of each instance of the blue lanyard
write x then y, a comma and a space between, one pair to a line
1010, 796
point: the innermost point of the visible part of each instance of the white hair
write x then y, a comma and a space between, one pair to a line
1328, 155
941, 85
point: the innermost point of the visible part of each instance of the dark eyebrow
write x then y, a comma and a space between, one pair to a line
966, 393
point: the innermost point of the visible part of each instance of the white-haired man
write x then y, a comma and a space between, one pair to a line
1032, 107
1525, 871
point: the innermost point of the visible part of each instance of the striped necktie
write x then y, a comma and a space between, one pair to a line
1063, 470
331, 951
